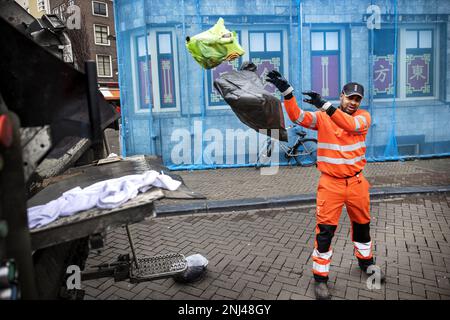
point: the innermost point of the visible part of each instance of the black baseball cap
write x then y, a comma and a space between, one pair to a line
353, 88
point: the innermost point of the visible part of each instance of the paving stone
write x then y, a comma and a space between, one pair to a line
246, 294
391, 294
124, 294
406, 296
284, 295
209, 292
228, 293
351, 293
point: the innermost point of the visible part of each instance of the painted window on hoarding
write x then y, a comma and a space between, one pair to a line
325, 63
266, 52
383, 63
413, 70
419, 62
144, 72
156, 68
166, 70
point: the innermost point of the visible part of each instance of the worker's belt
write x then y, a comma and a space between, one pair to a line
348, 177
352, 175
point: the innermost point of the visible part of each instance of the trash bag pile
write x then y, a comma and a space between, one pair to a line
257, 108
210, 48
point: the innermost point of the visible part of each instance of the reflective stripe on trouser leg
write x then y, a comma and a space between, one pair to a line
322, 253
331, 194
321, 263
363, 244
358, 208
363, 250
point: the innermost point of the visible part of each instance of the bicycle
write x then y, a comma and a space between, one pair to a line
303, 151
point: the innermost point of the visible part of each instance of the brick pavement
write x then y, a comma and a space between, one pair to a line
265, 254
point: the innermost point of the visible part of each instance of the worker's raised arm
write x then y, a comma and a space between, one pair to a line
304, 118
355, 124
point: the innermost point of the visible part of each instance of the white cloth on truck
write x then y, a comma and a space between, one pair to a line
106, 194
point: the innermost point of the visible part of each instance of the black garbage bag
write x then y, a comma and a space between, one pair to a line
257, 108
195, 271
191, 274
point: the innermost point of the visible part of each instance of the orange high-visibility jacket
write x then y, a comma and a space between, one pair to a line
341, 138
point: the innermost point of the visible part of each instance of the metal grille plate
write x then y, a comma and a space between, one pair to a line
158, 266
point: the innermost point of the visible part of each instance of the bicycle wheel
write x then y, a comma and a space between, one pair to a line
306, 153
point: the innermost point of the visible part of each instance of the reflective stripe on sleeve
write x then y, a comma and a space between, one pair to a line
364, 120
356, 123
301, 117
314, 120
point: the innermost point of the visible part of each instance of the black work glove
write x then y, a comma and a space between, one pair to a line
320, 103
281, 83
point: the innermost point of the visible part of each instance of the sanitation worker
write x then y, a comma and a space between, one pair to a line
341, 158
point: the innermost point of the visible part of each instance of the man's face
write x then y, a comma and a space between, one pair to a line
350, 104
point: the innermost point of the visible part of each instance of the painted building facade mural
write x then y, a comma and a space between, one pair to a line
397, 49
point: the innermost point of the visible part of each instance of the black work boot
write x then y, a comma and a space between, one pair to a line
321, 291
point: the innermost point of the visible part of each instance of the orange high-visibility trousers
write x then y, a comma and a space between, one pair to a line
332, 194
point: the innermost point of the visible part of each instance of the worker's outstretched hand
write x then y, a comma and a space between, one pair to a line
280, 83
316, 100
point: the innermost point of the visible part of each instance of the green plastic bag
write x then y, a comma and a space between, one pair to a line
210, 48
